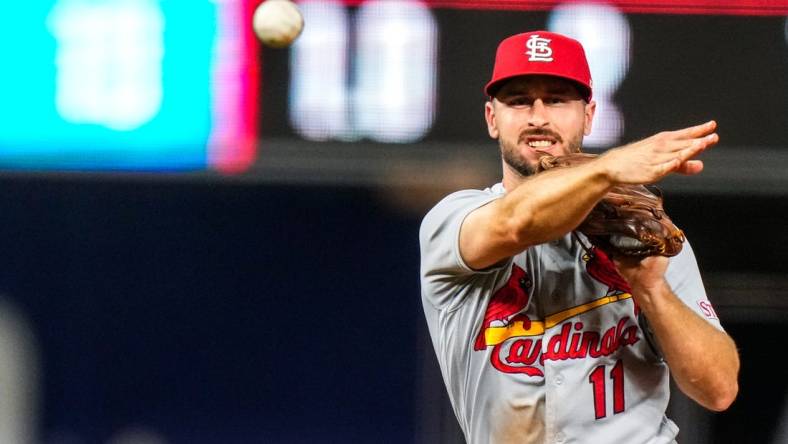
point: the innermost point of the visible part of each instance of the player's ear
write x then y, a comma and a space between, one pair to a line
590, 108
489, 116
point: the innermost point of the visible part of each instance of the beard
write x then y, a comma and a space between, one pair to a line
515, 161
510, 153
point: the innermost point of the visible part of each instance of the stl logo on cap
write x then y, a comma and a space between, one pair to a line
539, 49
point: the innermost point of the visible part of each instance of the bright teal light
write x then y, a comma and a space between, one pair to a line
113, 84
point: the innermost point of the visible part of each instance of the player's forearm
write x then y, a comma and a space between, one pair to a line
543, 207
703, 361
552, 203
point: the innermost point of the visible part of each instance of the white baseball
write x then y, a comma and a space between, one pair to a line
277, 23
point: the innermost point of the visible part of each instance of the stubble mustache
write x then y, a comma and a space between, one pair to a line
519, 163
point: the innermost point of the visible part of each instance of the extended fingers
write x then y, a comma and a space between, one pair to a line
681, 150
684, 163
698, 145
672, 142
664, 168
676, 165
690, 167
696, 131
652, 158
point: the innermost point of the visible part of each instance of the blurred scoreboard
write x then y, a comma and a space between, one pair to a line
113, 85
388, 71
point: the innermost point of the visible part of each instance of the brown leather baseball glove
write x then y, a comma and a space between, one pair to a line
629, 220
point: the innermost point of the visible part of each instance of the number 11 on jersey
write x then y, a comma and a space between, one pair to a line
597, 381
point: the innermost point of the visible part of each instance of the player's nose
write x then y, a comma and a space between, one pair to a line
538, 114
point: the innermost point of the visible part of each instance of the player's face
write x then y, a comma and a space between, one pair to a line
537, 113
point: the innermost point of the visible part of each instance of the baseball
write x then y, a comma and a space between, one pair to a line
277, 23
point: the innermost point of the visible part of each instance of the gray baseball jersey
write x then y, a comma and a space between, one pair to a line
548, 346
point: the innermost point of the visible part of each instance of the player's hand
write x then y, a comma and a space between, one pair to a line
646, 276
653, 158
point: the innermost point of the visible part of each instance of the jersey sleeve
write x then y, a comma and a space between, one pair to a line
442, 265
684, 278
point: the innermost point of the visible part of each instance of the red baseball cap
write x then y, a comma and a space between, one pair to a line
541, 53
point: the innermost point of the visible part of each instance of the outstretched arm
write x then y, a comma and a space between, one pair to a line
550, 204
703, 360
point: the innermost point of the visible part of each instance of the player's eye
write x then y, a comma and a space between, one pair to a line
517, 101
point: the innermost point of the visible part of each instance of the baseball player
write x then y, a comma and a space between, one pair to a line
540, 336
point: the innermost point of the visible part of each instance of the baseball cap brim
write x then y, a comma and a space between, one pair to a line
492, 88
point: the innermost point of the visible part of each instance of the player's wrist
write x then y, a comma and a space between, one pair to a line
604, 168
651, 295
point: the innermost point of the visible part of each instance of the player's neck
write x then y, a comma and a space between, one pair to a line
511, 178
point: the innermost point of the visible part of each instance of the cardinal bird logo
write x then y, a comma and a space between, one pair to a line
506, 304
601, 268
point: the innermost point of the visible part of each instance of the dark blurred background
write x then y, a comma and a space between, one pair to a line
153, 291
